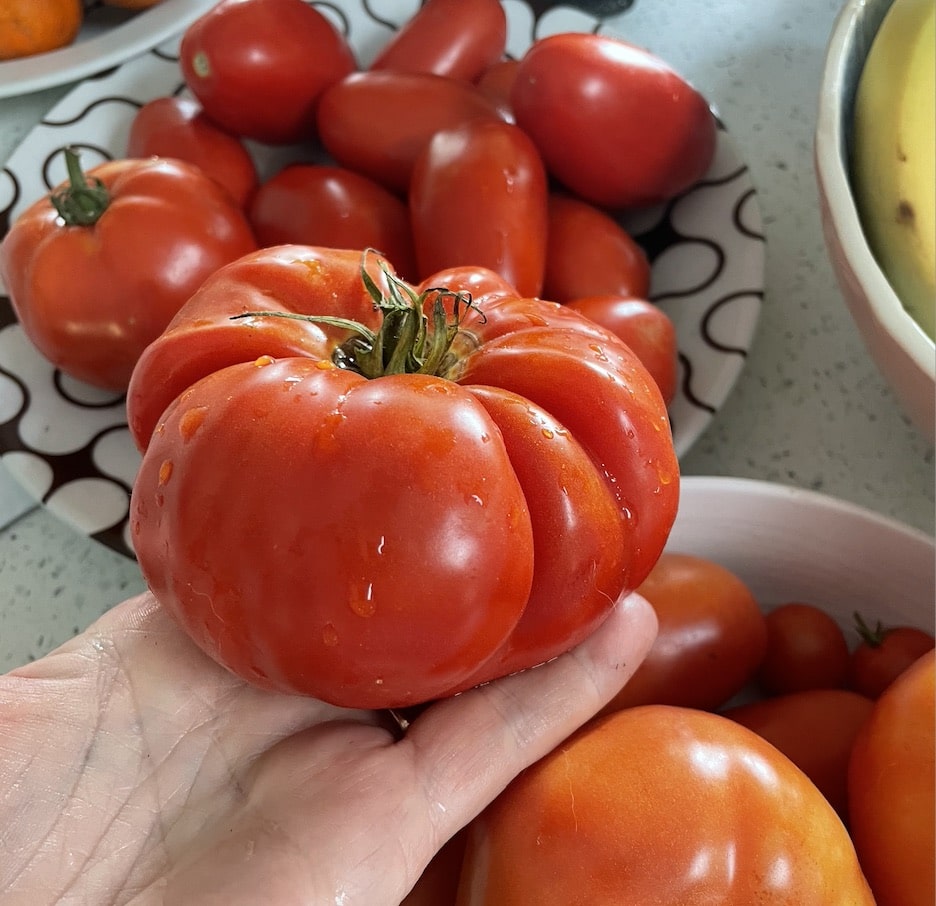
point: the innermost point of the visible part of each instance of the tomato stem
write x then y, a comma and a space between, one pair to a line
80, 203
873, 638
407, 341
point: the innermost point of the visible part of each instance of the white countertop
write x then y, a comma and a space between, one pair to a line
810, 409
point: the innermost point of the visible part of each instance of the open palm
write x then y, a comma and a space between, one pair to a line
135, 770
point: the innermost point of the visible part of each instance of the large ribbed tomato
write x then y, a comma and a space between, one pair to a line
378, 515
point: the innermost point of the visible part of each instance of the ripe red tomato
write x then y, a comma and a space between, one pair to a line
710, 641
614, 123
258, 67
478, 197
93, 285
643, 326
591, 254
815, 729
310, 204
806, 649
177, 127
454, 38
496, 82
891, 790
309, 494
410, 107
883, 654
665, 806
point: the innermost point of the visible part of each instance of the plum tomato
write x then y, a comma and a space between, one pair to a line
662, 805
806, 649
258, 67
711, 636
614, 123
643, 326
496, 83
883, 653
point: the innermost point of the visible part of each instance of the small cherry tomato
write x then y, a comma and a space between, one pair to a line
311, 204
258, 67
590, 254
806, 649
645, 327
710, 640
815, 729
478, 197
891, 790
378, 123
614, 123
883, 654
454, 38
178, 127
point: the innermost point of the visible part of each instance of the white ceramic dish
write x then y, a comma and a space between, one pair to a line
107, 38
905, 355
68, 444
790, 544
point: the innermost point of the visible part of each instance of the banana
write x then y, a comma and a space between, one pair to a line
894, 154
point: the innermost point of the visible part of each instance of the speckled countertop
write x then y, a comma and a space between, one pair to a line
809, 410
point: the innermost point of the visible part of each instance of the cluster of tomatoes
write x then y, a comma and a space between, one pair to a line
744, 741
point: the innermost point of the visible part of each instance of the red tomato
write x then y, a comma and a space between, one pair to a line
410, 107
177, 127
454, 38
815, 729
664, 806
93, 285
591, 254
883, 654
891, 790
421, 470
806, 649
309, 204
496, 83
438, 884
478, 197
614, 123
710, 641
643, 326
258, 67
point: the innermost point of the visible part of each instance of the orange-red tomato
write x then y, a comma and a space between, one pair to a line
496, 83
711, 636
645, 327
590, 254
891, 790
815, 729
883, 653
661, 806
806, 649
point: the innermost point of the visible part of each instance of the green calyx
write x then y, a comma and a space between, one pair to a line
80, 203
408, 341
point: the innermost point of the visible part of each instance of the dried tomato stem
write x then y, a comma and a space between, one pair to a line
80, 203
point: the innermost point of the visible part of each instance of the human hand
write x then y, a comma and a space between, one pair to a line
133, 769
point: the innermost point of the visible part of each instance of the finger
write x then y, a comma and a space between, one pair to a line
468, 748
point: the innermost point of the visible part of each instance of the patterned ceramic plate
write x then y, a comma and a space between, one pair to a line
68, 444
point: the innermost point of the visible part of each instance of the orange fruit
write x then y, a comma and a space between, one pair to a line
29, 27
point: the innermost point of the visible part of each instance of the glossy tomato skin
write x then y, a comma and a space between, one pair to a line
891, 791
455, 38
91, 298
258, 67
389, 492
883, 653
664, 806
312, 204
591, 254
816, 730
643, 326
177, 127
410, 107
614, 123
710, 641
496, 83
478, 196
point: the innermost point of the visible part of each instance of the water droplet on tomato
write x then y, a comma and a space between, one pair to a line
475, 499
329, 635
191, 421
364, 606
548, 433
165, 471
264, 360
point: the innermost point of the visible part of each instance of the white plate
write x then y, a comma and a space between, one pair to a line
68, 444
108, 36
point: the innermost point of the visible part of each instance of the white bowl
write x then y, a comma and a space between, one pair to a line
905, 355
790, 544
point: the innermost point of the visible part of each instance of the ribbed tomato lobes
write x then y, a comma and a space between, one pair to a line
383, 542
